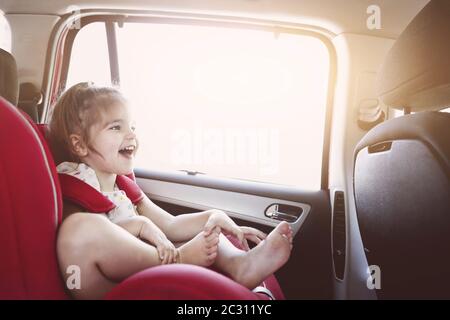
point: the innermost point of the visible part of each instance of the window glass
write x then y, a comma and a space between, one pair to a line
236, 103
89, 60
5, 33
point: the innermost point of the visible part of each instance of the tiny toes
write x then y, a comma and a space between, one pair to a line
212, 256
211, 250
212, 244
213, 236
215, 241
287, 238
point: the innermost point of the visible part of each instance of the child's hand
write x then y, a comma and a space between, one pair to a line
222, 220
166, 250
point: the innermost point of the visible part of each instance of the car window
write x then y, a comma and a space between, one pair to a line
229, 102
89, 58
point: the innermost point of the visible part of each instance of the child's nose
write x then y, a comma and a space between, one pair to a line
131, 134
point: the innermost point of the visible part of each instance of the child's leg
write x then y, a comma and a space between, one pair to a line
105, 253
252, 267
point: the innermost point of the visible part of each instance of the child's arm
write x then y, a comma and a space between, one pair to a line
186, 226
179, 228
145, 229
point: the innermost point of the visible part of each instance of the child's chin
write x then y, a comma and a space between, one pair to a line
125, 171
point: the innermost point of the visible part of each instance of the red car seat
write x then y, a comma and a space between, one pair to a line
30, 213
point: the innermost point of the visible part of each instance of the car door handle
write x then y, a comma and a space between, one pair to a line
283, 212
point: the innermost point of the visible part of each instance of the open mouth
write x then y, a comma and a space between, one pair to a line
127, 151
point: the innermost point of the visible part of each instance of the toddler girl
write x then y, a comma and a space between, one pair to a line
92, 136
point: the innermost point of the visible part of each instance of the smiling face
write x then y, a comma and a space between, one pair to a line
113, 142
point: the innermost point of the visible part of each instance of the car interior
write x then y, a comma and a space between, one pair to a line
330, 115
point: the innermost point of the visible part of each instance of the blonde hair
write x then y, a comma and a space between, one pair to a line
75, 112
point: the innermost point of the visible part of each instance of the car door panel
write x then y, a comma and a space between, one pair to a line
308, 271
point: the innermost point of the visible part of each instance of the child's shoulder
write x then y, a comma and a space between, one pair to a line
73, 168
67, 167
81, 171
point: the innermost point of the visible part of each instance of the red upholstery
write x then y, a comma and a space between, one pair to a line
30, 212
84, 195
178, 282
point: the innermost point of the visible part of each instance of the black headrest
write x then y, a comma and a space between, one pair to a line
29, 99
9, 83
416, 72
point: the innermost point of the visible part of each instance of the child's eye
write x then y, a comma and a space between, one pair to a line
133, 128
115, 128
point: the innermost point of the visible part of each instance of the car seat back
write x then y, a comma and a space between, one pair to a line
9, 85
30, 201
402, 166
30, 211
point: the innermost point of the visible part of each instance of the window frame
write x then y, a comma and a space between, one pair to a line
61, 43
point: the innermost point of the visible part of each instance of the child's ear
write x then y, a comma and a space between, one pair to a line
78, 145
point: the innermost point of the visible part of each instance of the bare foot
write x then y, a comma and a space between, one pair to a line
252, 267
200, 250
